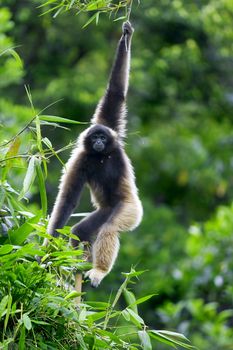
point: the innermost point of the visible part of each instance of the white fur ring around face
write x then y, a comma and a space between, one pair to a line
95, 276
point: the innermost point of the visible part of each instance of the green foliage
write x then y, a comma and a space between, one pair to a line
38, 309
11, 66
180, 141
205, 278
80, 6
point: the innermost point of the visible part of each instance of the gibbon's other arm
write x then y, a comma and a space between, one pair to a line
70, 189
112, 108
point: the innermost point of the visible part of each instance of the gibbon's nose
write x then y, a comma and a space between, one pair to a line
98, 146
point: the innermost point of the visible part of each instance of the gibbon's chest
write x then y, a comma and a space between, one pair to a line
104, 174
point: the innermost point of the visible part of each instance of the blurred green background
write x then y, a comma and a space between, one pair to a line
180, 141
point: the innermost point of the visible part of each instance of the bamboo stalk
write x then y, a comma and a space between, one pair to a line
78, 286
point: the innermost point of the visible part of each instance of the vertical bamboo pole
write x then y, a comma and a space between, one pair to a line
79, 277
78, 286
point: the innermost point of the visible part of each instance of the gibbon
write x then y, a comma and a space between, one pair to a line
99, 160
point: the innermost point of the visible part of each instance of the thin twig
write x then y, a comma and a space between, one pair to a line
14, 157
19, 133
129, 10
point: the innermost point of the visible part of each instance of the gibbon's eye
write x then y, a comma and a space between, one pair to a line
103, 138
94, 137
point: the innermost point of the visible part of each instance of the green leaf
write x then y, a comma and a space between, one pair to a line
136, 319
6, 249
67, 253
110, 335
130, 300
55, 119
47, 142
133, 273
40, 322
39, 228
27, 322
97, 315
82, 315
19, 235
22, 338
161, 339
90, 20
43, 195
143, 299
12, 151
126, 315
173, 337
145, 340
98, 4
98, 305
3, 305
16, 57
72, 295
29, 177
9, 303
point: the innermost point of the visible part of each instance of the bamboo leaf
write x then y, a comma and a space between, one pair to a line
27, 322
55, 119
19, 235
29, 177
72, 295
142, 300
90, 20
42, 189
12, 151
126, 315
145, 340
8, 312
16, 57
96, 315
96, 5
136, 319
130, 300
3, 305
171, 338
6, 249
161, 339
22, 338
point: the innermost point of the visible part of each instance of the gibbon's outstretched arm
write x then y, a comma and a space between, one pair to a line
112, 108
70, 189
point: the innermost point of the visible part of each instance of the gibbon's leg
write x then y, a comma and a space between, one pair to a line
89, 226
105, 250
126, 217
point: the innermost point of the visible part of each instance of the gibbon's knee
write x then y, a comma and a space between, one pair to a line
129, 217
81, 232
86, 229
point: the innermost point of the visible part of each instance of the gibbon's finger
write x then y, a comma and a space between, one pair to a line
127, 28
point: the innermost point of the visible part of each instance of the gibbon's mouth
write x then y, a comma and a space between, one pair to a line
98, 147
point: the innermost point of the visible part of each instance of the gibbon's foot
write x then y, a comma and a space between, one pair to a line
127, 28
95, 276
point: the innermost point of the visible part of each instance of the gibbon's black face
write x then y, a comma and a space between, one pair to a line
99, 140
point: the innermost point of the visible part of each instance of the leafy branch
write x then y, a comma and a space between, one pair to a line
89, 6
